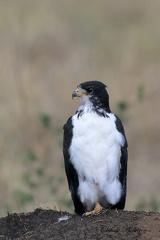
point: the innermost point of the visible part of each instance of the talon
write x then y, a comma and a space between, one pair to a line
97, 210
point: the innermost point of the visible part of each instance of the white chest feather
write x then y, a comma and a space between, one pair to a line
95, 147
95, 154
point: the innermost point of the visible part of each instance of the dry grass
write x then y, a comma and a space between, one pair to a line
47, 48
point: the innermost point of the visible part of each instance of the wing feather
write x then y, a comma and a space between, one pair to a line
71, 173
123, 166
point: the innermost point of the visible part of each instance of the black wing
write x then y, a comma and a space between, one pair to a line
123, 169
71, 173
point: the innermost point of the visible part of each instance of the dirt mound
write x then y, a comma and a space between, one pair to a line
50, 224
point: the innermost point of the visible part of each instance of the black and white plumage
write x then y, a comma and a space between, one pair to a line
95, 152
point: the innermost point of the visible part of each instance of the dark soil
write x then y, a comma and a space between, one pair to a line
45, 224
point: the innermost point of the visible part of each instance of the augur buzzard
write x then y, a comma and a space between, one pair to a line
95, 152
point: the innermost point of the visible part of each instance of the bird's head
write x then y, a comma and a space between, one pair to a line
93, 92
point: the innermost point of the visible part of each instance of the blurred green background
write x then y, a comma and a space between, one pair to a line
46, 49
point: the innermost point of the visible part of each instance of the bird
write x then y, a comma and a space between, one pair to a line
95, 152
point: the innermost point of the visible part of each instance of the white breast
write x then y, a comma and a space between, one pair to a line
95, 149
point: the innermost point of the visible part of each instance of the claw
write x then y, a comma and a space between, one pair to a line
97, 210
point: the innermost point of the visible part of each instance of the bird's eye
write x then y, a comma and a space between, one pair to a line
89, 90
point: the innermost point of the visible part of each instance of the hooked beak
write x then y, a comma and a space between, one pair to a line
79, 92
74, 94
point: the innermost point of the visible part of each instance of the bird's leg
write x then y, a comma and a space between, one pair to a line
97, 209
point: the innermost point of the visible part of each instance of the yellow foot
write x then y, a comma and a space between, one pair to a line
97, 210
